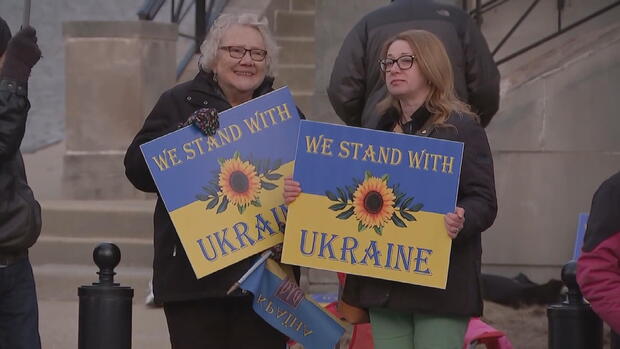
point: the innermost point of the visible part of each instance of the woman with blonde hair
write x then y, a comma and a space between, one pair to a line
422, 102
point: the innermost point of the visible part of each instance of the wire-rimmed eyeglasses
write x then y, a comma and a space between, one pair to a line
404, 62
237, 52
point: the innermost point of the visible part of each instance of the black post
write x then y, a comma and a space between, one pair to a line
105, 306
572, 323
201, 23
478, 15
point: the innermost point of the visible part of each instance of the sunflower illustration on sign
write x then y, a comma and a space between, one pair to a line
374, 203
239, 183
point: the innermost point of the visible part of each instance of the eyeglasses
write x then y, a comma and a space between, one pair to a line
403, 62
238, 52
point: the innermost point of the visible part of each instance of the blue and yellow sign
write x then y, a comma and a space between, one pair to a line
373, 203
224, 192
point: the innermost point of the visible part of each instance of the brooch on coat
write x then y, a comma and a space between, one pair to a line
206, 119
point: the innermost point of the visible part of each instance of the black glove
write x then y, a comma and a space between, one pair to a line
21, 54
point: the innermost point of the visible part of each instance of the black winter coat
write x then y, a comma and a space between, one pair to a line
476, 194
173, 276
356, 85
20, 213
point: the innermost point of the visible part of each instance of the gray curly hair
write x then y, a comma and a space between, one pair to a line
212, 42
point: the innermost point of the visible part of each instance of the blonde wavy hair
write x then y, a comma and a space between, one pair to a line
212, 42
433, 62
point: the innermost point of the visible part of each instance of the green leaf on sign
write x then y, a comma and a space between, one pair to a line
399, 197
367, 175
223, 206
343, 197
331, 195
350, 191
378, 230
417, 207
406, 203
273, 176
256, 203
408, 216
385, 177
398, 222
267, 185
337, 207
346, 214
241, 208
236, 155
202, 197
361, 226
213, 202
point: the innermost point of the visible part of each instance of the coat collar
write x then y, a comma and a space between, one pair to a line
418, 125
204, 88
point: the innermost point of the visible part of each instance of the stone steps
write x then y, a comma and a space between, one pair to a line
62, 258
94, 218
294, 23
59, 282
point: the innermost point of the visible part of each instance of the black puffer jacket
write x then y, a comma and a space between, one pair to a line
173, 276
20, 213
356, 85
476, 194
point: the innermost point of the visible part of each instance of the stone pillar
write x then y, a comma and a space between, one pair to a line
115, 72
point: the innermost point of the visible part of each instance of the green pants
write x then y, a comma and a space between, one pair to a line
396, 330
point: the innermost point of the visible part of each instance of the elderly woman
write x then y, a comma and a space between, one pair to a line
237, 63
421, 101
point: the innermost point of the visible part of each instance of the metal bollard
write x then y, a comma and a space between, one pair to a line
105, 306
572, 323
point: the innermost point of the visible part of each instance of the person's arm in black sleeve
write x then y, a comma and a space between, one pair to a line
348, 79
21, 54
482, 75
477, 181
14, 108
160, 121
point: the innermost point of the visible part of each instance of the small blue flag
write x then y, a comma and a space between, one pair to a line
581, 232
280, 302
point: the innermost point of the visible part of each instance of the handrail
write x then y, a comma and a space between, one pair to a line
481, 8
149, 9
204, 18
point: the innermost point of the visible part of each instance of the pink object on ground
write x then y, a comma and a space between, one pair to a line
479, 332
